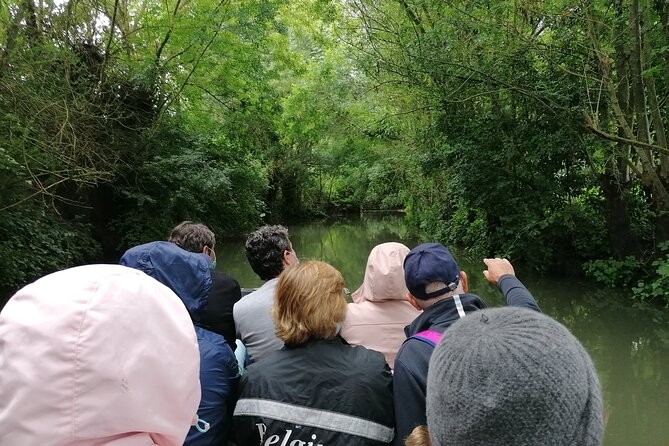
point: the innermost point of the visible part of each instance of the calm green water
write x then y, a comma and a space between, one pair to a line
630, 347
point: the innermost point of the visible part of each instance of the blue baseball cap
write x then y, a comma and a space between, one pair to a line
427, 263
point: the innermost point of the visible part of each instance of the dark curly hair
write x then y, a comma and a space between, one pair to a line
264, 250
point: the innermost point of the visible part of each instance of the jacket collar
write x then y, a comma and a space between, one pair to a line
333, 340
443, 313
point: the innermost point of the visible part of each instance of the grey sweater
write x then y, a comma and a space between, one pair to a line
253, 321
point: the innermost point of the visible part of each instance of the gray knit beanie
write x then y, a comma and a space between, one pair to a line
510, 376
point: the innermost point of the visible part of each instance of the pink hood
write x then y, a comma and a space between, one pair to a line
97, 355
384, 274
380, 311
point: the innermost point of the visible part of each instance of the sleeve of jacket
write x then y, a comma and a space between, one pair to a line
409, 401
219, 377
516, 294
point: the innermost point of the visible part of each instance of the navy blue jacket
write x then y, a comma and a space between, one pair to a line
413, 357
188, 275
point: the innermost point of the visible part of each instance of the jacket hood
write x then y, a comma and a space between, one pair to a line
97, 355
384, 274
186, 273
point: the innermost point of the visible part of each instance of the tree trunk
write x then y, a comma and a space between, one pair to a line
653, 103
32, 25
658, 121
621, 236
615, 180
10, 41
649, 177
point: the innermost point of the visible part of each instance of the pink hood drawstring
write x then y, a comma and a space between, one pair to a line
97, 355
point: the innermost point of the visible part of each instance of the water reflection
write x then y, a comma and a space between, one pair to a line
630, 346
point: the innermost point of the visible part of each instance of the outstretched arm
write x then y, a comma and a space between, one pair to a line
500, 273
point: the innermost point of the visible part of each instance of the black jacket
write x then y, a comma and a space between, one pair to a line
324, 392
225, 292
413, 357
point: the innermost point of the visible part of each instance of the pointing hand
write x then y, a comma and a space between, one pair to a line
497, 268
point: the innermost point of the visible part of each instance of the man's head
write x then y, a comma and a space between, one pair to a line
194, 237
511, 376
269, 251
431, 274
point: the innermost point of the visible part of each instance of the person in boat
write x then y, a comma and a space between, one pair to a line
438, 288
511, 376
316, 390
81, 361
188, 275
379, 312
269, 251
225, 290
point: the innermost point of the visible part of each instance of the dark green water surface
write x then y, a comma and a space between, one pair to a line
629, 346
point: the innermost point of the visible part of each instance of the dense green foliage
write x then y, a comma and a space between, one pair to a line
120, 119
541, 141
530, 129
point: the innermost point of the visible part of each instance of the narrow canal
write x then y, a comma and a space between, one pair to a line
630, 346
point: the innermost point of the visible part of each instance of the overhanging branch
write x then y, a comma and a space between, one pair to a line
602, 134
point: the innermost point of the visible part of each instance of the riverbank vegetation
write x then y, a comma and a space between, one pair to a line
530, 129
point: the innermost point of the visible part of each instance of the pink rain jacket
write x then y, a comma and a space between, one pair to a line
380, 311
97, 355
